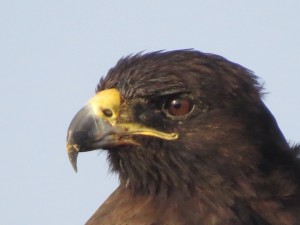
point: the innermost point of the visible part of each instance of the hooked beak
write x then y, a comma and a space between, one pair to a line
95, 127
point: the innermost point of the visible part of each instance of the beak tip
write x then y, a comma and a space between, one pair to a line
75, 169
73, 154
73, 160
74, 166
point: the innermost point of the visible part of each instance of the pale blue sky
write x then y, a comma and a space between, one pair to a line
52, 54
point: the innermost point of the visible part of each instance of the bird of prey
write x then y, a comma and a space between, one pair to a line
192, 143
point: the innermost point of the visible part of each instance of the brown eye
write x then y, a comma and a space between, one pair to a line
178, 106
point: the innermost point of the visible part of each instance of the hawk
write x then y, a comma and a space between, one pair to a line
192, 143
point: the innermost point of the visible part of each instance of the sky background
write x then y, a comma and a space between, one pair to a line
53, 53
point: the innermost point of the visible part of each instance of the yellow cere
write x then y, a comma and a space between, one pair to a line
107, 100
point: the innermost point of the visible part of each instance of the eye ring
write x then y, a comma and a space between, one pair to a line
178, 107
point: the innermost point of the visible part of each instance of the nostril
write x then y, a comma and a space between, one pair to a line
107, 112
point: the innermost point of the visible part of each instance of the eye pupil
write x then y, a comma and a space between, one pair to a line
178, 107
176, 104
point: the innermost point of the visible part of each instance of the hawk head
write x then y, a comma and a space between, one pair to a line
180, 120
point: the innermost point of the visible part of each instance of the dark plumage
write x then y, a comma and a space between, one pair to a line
221, 159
